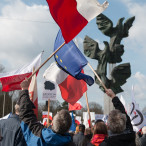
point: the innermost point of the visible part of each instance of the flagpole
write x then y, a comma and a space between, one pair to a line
88, 109
47, 59
4, 104
48, 112
97, 76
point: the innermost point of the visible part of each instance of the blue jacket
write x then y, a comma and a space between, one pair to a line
10, 132
34, 132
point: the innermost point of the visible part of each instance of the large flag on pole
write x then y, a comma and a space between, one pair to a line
33, 94
71, 89
11, 80
73, 15
71, 60
137, 118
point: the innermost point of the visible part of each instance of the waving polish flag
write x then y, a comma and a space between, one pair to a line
11, 80
33, 94
73, 15
78, 120
76, 106
45, 115
71, 89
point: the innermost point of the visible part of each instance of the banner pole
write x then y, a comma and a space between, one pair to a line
88, 109
47, 59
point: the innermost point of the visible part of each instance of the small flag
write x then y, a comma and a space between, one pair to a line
71, 60
76, 106
11, 80
73, 15
71, 89
45, 115
78, 120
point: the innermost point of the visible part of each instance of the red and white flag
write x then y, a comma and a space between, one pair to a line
11, 80
78, 120
73, 15
87, 120
45, 117
76, 106
71, 89
33, 94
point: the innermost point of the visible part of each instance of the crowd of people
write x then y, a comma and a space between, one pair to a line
22, 128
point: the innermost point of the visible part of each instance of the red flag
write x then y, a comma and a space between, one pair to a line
71, 89
76, 106
11, 80
33, 94
45, 115
73, 15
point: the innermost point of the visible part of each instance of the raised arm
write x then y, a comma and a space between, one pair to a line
118, 105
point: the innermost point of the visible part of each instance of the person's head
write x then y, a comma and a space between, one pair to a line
61, 122
100, 127
116, 121
82, 128
17, 109
144, 130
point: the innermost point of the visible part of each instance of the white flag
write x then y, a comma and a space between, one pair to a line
137, 118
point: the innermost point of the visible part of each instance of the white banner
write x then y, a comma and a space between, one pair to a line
50, 90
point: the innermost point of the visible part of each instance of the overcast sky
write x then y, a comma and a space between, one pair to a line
27, 28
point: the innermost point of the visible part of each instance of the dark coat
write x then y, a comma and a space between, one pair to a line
127, 138
10, 132
86, 141
77, 138
143, 140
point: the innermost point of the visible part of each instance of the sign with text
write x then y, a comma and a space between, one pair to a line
50, 90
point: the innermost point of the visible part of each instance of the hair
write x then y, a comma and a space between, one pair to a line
144, 130
82, 128
17, 109
100, 128
116, 121
61, 122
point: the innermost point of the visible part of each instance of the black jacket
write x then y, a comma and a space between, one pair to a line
10, 132
143, 140
77, 138
127, 138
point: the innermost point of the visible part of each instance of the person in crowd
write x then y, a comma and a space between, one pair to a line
86, 140
137, 140
34, 132
10, 130
99, 133
80, 135
119, 125
77, 129
143, 138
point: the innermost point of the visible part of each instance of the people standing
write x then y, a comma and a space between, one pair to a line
10, 130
